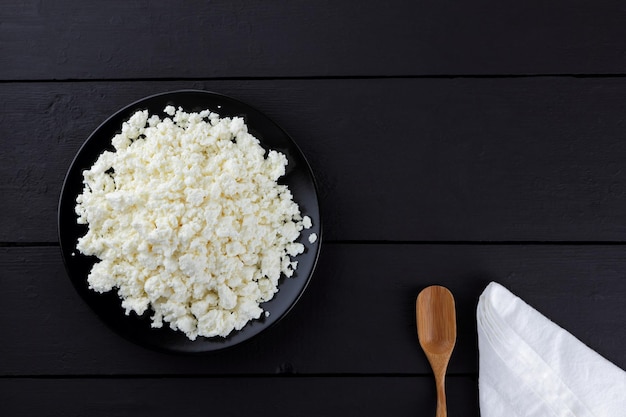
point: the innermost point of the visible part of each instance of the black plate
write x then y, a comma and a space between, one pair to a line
298, 177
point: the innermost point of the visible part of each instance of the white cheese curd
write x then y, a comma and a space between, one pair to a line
188, 220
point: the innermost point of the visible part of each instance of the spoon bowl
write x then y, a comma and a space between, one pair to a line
436, 330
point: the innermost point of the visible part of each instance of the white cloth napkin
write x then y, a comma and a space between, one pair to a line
529, 366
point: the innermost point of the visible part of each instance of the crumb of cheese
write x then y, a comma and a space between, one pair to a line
188, 220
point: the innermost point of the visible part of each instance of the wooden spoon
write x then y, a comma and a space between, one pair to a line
436, 330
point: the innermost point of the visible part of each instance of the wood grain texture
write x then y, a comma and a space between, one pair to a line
534, 159
138, 39
283, 396
356, 317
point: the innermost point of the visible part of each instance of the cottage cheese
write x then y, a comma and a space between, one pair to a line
188, 220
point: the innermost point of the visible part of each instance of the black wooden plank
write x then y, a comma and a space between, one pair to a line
136, 39
285, 396
536, 159
356, 317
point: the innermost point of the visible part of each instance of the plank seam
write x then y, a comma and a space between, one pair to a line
316, 77
219, 376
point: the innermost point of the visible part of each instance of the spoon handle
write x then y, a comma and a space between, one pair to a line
440, 381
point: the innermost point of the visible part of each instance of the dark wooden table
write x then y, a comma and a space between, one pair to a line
454, 142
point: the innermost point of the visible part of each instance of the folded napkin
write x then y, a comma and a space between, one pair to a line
529, 366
